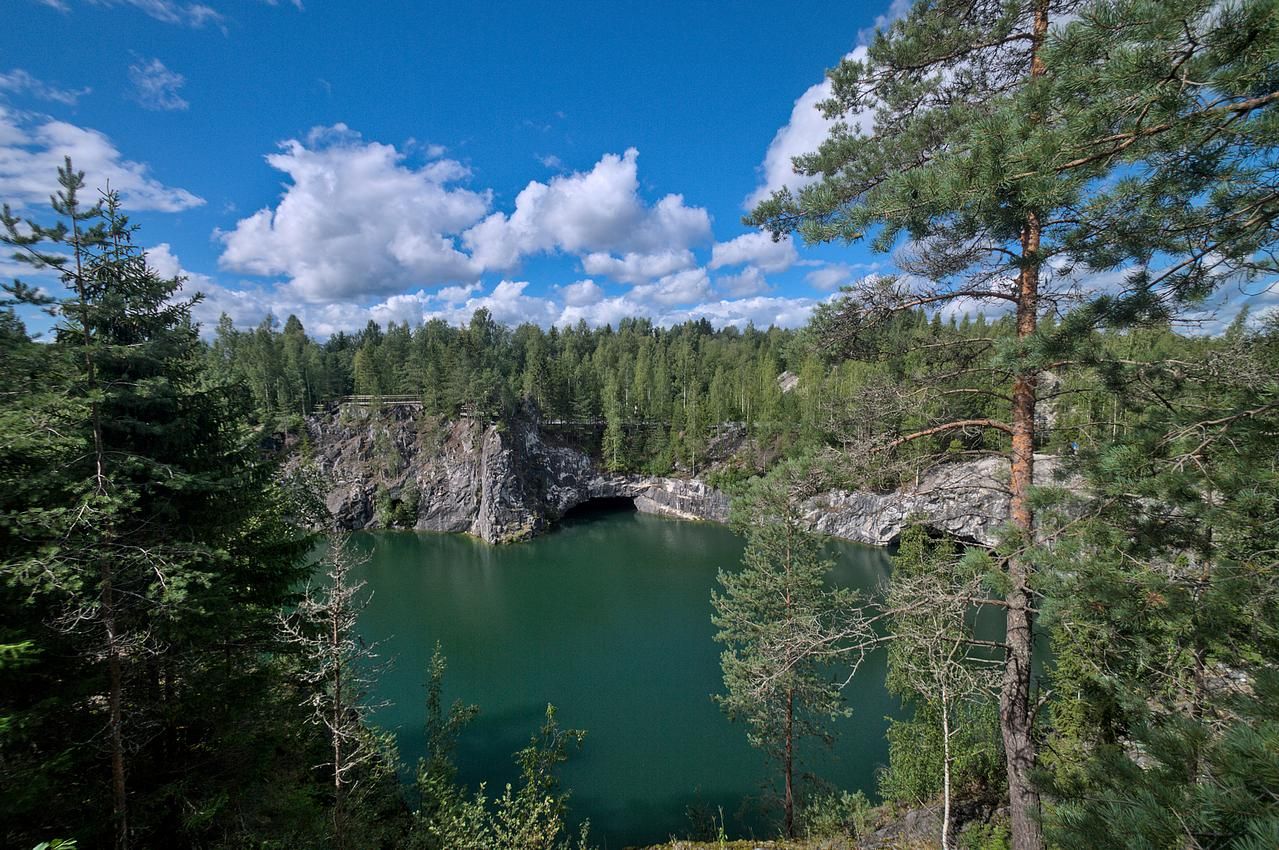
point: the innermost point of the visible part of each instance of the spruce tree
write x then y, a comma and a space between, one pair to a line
144, 539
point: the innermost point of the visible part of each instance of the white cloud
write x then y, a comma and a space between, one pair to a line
758, 249
163, 261
356, 221
19, 81
456, 294
508, 304
762, 311
897, 9
608, 311
170, 12
678, 288
585, 212
750, 281
155, 87
581, 294
803, 133
830, 276
33, 147
638, 268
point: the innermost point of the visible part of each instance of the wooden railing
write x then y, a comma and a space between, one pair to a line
416, 401
379, 400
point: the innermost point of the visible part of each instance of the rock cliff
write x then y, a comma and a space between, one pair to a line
499, 484
503, 484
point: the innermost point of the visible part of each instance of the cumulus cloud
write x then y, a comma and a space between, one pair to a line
638, 268
757, 248
750, 281
608, 311
508, 304
19, 81
581, 294
355, 220
761, 311
831, 276
586, 212
456, 294
678, 288
164, 262
33, 147
803, 133
155, 87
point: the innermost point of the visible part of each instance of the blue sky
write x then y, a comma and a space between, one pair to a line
553, 162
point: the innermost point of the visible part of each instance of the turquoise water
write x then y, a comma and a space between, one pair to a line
607, 617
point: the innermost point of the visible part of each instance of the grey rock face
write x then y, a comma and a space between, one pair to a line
500, 485
961, 499
508, 484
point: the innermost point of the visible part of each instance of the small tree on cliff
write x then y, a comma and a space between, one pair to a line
777, 620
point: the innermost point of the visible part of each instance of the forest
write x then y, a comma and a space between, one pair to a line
169, 678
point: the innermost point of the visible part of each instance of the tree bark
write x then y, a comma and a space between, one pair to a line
115, 695
1016, 715
945, 745
789, 802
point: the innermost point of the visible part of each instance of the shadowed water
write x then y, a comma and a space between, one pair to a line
608, 617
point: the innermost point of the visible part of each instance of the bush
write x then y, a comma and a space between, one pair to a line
992, 835
836, 814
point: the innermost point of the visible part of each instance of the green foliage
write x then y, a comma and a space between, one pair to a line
146, 549
836, 815
528, 817
913, 775
1181, 782
1165, 638
991, 835
656, 393
776, 617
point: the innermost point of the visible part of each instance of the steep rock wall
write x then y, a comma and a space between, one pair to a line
499, 484
508, 484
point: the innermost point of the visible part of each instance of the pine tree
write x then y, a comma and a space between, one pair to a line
781, 627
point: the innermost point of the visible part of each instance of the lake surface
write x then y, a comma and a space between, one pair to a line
607, 617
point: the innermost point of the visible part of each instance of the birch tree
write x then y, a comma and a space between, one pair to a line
931, 601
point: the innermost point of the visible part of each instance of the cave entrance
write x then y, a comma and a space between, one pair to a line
595, 508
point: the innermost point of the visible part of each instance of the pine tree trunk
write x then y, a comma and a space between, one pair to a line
1016, 715
1015, 712
789, 801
